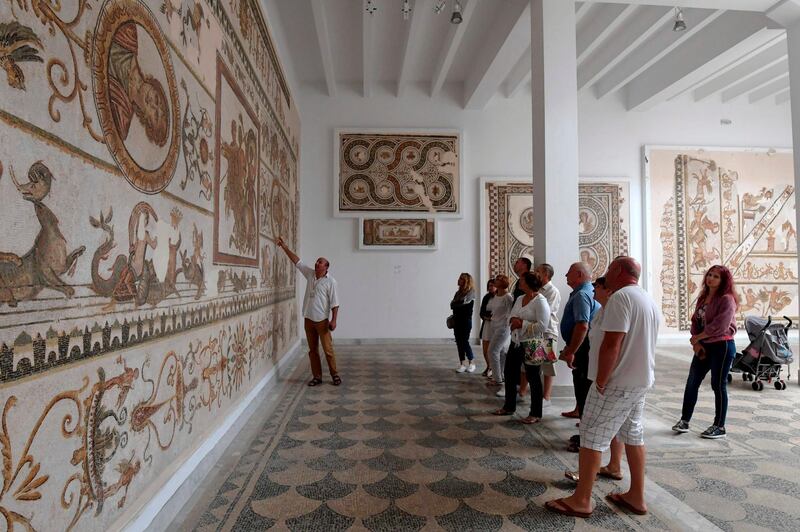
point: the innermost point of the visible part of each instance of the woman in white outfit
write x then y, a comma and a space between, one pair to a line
499, 330
530, 318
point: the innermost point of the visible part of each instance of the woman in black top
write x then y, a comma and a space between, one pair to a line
463, 305
485, 315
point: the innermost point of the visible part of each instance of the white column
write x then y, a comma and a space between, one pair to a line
787, 14
555, 135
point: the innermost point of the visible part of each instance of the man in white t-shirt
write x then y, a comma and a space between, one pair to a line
553, 296
320, 302
615, 404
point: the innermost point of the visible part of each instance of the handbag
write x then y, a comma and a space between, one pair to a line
451, 322
538, 351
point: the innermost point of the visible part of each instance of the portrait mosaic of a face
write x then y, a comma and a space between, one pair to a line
136, 94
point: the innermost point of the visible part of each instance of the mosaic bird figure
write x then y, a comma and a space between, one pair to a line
18, 44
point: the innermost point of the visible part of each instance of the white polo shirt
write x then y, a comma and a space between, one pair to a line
553, 297
320, 296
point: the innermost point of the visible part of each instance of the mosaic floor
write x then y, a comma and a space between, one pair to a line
408, 444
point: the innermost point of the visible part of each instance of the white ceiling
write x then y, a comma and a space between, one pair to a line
625, 48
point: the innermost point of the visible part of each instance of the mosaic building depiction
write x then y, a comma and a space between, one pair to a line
603, 227
398, 173
148, 163
730, 207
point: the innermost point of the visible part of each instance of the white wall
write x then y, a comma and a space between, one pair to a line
406, 294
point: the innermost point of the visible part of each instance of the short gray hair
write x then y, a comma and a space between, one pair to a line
584, 269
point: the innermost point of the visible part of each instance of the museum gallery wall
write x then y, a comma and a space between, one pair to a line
722, 206
148, 161
507, 233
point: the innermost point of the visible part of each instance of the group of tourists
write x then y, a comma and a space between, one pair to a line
609, 328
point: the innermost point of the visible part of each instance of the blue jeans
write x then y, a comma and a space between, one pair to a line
462, 343
718, 360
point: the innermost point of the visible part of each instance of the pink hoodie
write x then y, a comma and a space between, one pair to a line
720, 319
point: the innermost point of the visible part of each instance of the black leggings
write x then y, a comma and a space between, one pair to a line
462, 343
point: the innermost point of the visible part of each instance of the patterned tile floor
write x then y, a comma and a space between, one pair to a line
408, 444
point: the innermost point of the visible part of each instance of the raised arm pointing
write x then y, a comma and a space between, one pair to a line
289, 253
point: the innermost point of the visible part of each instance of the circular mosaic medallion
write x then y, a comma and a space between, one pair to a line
136, 94
526, 220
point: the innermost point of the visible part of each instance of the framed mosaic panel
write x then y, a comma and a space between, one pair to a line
507, 223
410, 173
397, 234
730, 206
236, 212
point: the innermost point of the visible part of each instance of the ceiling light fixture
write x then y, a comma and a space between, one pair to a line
406, 10
456, 17
680, 24
370, 8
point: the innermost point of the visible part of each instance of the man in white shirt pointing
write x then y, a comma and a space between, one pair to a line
321, 301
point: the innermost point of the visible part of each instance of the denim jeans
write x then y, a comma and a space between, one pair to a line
718, 360
462, 343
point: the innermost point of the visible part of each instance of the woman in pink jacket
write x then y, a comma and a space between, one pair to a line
713, 329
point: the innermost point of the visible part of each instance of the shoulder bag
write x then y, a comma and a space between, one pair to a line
537, 352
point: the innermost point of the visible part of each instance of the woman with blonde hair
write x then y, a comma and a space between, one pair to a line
462, 305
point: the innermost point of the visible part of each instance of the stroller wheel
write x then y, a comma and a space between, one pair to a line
730, 378
779, 385
758, 386
744, 376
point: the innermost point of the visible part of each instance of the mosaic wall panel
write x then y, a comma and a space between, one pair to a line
731, 207
508, 224
398, 172
398, 233
148, 162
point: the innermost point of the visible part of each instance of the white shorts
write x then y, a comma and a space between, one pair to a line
617, 412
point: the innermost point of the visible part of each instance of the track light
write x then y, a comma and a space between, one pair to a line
679, 25
456, 17
439, 7
406, 10
370, 8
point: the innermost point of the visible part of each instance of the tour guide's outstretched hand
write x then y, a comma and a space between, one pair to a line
280, 242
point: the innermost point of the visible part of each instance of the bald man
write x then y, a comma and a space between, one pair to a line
320, 303
615, 403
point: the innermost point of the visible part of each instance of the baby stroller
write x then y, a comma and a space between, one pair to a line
763, 359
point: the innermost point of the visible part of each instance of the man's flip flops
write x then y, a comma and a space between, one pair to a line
617, 500
560, 506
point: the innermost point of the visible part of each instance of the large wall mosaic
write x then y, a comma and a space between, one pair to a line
148, 163
507, 233
397, 172
731, 207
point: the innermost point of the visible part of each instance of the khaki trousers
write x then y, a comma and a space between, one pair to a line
317, 331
